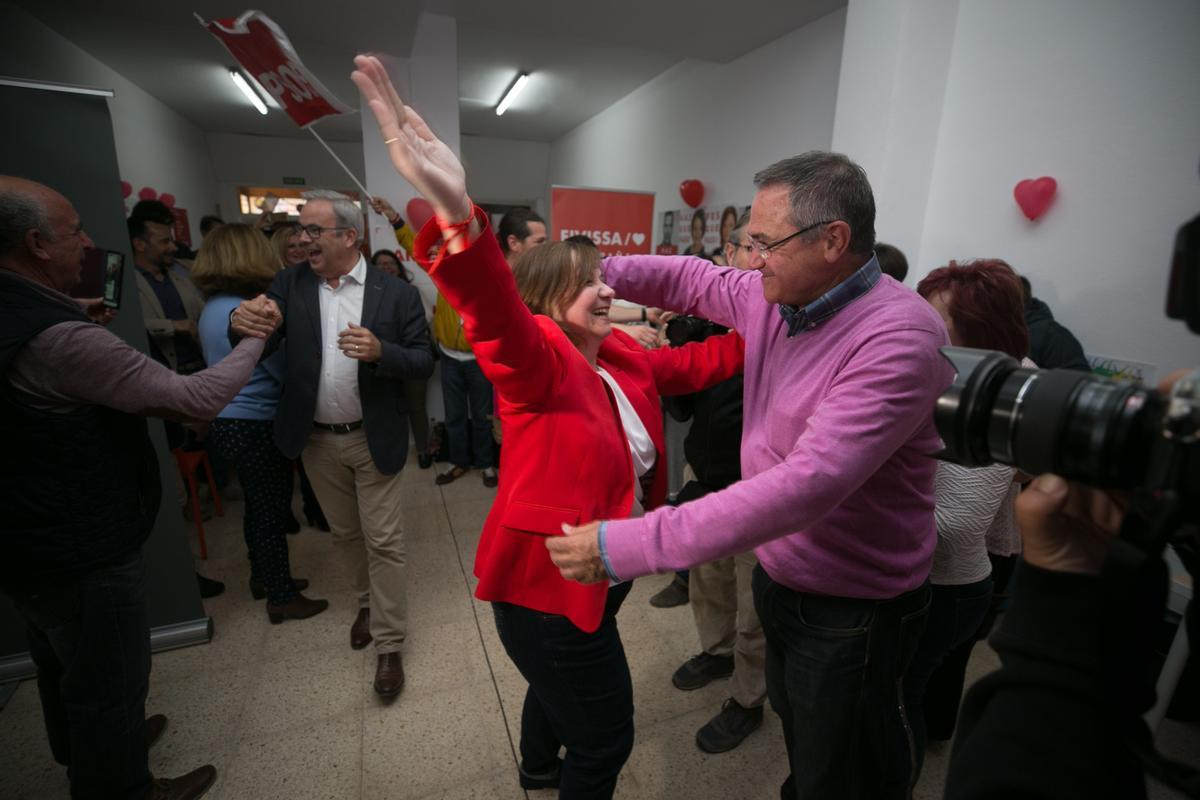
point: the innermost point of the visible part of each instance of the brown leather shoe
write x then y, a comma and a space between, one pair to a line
155, 725
360, 631
185, 787
299, 607
389, 675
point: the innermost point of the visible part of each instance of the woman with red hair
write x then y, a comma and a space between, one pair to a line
982, 305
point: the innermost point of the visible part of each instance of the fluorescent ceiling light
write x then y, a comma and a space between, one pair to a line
250, 94
512, 93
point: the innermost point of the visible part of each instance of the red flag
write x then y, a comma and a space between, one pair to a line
263, 49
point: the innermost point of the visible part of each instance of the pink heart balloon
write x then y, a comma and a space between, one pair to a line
1034, 196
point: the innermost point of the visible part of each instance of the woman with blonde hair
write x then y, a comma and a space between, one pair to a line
236, 262
287, 244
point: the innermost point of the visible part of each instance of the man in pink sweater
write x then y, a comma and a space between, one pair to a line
842, 372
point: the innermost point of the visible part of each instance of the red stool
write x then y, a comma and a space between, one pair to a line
188, 460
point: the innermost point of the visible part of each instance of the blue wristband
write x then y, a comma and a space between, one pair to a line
600, 541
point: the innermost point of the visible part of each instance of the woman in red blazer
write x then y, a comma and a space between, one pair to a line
579, 404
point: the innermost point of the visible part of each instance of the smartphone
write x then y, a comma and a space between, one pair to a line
114, 275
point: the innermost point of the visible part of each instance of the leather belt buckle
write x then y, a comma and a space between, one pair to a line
339, 427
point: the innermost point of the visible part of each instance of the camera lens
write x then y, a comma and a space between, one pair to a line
1071, 423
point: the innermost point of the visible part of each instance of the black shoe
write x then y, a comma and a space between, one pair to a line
540, 780
209, 587
702, 670
728, 729
291, 524
424, 460
675, 594
258, 591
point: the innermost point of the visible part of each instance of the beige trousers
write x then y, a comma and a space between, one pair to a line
723, 606
363, 509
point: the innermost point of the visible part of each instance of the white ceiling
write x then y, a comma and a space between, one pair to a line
582, 55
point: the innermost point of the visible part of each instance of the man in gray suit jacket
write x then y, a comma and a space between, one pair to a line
352, 335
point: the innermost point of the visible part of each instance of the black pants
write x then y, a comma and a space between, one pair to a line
90, 640
266, 478
580, 695
834, 668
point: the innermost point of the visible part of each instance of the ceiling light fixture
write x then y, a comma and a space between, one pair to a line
250, 94
512, 93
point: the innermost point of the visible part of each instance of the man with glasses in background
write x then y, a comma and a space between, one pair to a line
837, 490
353, 334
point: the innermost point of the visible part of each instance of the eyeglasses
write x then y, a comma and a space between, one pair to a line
740, 246
314, 231
766, 249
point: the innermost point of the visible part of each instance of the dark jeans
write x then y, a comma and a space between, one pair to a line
580, 695
954, 615
944, 691
266, 478
833, 669
463, 387
90, 640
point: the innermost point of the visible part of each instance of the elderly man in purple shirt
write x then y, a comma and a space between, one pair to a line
842, 372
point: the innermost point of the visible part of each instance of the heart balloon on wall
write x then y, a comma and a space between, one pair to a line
692, 192
126, 188
147, 193
1035, 195
419, 212
167, 199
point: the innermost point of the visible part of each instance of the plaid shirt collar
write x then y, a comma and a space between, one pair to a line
828, 304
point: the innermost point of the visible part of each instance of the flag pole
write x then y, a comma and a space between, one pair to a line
341, 163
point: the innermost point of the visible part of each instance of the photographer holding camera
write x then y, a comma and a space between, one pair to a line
1062, 717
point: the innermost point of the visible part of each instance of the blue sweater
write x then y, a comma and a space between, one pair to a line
257, 400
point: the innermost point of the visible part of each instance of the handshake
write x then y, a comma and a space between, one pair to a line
260, 317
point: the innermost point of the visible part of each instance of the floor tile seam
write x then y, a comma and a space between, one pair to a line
479, 632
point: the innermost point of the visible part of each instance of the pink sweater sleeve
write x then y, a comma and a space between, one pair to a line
75, 363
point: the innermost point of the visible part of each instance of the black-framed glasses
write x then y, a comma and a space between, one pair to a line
766, 249
315, 231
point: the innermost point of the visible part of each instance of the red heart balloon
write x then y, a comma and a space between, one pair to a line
1035, 196
419, 212
167, 199
692, 192
147, 194
126, 188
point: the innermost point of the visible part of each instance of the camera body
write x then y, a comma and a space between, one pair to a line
684, 329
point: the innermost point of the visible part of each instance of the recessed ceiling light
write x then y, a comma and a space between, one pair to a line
512, 93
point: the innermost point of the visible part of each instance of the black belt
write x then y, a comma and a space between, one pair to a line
338, 427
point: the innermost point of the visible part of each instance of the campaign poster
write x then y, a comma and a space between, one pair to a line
619, 223
699, 232
182, 230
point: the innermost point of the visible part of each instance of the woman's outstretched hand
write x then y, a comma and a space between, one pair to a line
420, 157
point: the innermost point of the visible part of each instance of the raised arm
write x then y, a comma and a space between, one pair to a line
471, 274
685, 284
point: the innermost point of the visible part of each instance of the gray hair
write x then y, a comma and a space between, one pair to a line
21, 212
345, 212
826, 186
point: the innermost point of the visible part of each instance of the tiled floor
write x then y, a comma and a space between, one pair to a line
287, 711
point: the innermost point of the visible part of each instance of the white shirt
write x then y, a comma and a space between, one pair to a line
337, 386
641, 446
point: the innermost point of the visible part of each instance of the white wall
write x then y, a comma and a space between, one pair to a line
716, 122
240, 160
156, 147
1103, 96
506, 170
